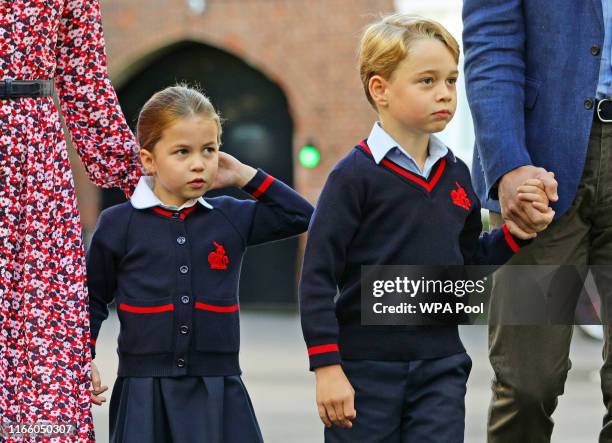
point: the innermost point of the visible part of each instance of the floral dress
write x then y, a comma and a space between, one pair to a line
44, 323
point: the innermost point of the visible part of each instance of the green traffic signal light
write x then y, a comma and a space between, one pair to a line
309, 156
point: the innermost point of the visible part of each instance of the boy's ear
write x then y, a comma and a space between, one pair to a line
377, 86
148, 161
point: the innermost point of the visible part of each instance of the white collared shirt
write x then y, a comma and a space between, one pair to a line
383, 145
144, 197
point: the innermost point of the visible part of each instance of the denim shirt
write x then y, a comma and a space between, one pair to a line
604, 86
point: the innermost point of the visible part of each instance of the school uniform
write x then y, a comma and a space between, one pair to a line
377, 209
174, 275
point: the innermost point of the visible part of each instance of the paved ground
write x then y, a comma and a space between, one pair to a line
275, 372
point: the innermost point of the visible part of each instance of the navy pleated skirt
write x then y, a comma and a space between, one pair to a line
182, 410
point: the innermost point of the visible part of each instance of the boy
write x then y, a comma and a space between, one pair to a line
401, 197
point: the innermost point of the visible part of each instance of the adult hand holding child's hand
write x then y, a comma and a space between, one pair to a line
524, 217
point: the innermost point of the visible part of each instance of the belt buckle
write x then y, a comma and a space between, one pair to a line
599, 110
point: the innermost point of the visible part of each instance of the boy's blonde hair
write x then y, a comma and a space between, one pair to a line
168, 106
387, 42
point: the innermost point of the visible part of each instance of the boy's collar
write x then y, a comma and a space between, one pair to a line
380, 143
144, 197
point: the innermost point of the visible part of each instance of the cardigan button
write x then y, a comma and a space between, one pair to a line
185, 299
184, 269
181, 240
180, 363
588, 103
595, 50
184, 329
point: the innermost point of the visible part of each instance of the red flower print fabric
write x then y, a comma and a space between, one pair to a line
44, 324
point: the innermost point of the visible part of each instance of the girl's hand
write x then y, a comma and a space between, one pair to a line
96, 390
232, 172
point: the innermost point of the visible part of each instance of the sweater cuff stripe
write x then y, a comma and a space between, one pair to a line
510, 240
263, 187
322, 349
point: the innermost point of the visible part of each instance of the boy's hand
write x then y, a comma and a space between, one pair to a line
232, 172
523, 220
533, 191
335, 397
96, 390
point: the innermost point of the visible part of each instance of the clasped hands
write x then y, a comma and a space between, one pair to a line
524, 197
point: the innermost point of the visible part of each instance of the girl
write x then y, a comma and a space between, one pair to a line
171, 260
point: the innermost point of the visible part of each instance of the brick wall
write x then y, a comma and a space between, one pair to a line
309, 48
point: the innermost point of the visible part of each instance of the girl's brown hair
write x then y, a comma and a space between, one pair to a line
169, 105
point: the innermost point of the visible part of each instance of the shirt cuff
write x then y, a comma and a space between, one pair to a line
259, 184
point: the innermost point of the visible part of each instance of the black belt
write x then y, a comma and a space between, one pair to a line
604, 110
25, 88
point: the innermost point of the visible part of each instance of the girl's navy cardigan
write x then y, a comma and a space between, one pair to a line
174, 276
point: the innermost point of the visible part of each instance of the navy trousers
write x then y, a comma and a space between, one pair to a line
420, 401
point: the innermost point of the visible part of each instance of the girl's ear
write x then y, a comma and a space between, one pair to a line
148, 161
377, 86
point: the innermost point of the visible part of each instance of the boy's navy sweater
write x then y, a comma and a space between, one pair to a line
382, 214
174, 276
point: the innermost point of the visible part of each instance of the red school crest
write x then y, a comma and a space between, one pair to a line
460, 197
217, 258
